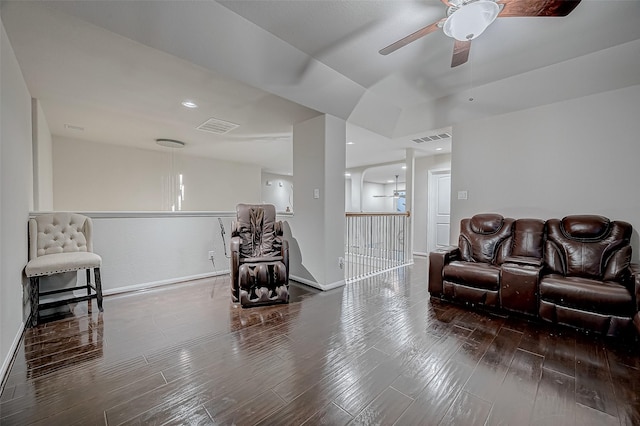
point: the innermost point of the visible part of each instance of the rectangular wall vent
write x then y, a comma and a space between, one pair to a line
432, 138
215, 125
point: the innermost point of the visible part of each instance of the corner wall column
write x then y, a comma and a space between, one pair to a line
316, 241
410, 159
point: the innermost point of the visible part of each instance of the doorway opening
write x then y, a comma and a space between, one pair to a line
439, 211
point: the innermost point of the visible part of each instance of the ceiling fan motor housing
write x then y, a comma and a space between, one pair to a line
469, 20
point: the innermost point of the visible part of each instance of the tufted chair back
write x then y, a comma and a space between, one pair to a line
588, 246
260, 234
61, 232
60, 243
485, 238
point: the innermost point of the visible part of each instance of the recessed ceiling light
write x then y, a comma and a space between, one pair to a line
438, 149
347, 174
189, 104
404, 167
170, 143
350, 143
390, 181
74, 127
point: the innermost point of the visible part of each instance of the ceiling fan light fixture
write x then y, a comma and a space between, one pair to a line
471, 19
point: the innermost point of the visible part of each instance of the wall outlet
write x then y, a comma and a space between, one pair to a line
341, 262
211, 254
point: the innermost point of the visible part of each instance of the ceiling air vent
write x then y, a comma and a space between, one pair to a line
432, 138
220, 127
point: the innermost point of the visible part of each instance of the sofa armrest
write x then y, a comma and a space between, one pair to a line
437, 260
635, 282
634, 268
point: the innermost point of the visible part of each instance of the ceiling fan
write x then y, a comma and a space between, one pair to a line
396, 193
467, 19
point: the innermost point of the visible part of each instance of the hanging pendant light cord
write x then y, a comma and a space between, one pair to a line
471, 79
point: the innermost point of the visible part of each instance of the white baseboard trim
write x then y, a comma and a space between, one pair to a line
384, 271
323, 287
420, 254
6, 363
152, 284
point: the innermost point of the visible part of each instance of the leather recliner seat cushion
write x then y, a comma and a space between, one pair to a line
606, 297
479, 275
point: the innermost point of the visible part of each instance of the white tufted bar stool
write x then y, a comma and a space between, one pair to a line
61, 242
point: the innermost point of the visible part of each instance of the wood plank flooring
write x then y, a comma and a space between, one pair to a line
377, 352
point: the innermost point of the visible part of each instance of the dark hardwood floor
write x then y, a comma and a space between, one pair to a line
375, 352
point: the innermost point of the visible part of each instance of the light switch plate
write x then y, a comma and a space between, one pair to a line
463, 195
316, 193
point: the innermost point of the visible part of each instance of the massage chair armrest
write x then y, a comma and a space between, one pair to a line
284, 252
234, 245
234, 260
437, 261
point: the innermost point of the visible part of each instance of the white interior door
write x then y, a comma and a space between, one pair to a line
438, 222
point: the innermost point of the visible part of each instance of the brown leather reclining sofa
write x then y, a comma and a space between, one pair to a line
574, 271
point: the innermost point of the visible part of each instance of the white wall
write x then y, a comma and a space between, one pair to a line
16, 196
142, 250
371, 204
573, 157
91, 176
348, 204
421, 196
389, 189
42, 159
147, 249
279, 192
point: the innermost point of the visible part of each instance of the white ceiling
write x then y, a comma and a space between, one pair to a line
120, 69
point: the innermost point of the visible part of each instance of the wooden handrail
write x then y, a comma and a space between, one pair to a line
361, 214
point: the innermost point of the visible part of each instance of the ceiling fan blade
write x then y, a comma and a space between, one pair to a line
515, 8
460, 52
410, 38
